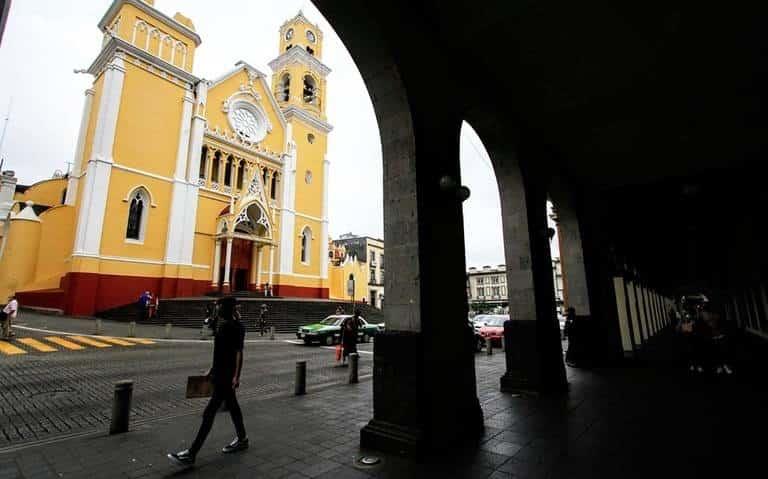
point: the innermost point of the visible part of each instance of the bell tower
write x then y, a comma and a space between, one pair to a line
299, 78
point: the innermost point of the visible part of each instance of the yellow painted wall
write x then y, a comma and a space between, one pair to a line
309, 157
316, 259
17, 265
113, 242
338, 276
46, 192
147, 136
57, 238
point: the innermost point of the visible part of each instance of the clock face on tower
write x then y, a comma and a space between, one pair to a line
311, 36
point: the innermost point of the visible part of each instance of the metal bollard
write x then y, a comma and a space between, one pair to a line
488, 346
272, 333
132, 329
301, 378
168, 327
98, 327
121, 407
354, 361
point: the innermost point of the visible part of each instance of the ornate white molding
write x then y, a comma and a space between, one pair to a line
298, 55
117, 45
152, 12
234, 141
292, 112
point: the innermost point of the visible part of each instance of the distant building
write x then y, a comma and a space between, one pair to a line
487, 288
363, 258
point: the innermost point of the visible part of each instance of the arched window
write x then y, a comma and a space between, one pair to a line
215, 167
284, 89
240, 174
273, 187
203, 162
310, 90
306, 244
137, 215
228, 171
264, 177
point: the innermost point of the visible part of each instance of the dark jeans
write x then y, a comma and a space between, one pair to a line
220, 394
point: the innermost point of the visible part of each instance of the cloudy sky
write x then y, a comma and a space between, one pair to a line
45, 40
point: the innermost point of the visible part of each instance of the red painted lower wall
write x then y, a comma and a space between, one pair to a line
287, 291
90, 293
85, 294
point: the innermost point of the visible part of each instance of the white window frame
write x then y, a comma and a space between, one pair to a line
306, 251
147, 199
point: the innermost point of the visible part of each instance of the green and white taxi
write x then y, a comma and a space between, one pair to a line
328, 331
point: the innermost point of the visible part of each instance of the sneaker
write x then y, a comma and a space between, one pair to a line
236, 445
699, 369
692, 368
182, 458
719, 370
727, 370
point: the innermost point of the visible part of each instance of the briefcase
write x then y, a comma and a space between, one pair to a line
199, 387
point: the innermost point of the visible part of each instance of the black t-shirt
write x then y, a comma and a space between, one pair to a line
230, 338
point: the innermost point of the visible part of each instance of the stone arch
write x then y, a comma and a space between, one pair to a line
253, 219
305, 245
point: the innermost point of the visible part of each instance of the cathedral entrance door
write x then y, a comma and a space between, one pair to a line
241, 280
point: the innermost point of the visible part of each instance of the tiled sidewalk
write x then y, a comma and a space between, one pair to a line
619, 423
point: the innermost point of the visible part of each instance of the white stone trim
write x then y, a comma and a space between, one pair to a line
77, 163
127, 198
152, 12
292, 111
298, 55
118, 166
305, 276
93, 206
288, 215
324, 226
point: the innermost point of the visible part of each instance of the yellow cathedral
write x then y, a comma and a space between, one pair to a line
181, 185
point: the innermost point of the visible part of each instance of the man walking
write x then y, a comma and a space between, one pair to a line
8, 315
263, 319
225, 376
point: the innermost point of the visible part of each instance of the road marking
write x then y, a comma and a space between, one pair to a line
117, 341
140, 340
90, 342
35, 344
64, 343
9, 349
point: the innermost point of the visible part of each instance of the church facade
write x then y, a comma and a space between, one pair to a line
181, 185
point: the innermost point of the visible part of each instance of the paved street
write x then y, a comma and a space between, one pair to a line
56, 385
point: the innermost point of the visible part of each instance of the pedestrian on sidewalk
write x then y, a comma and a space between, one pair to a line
349, 329
8, 315
339, 310
143, 305
263, 319
225, 376
719, 356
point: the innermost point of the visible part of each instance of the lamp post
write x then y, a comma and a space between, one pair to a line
351, 290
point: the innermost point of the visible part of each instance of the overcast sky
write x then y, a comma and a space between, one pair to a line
45, 40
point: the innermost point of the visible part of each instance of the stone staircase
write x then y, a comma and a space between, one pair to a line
286, 315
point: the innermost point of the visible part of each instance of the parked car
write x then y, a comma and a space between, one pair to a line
328, 331
494, 329
479, 321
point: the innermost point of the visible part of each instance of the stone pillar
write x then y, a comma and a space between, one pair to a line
216, 264
533, 349
624, 316
255, 267
424, 387
325, 220
258, 270
77, 163
288, 205
271, 266
226, 287
93, 204
571, 250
